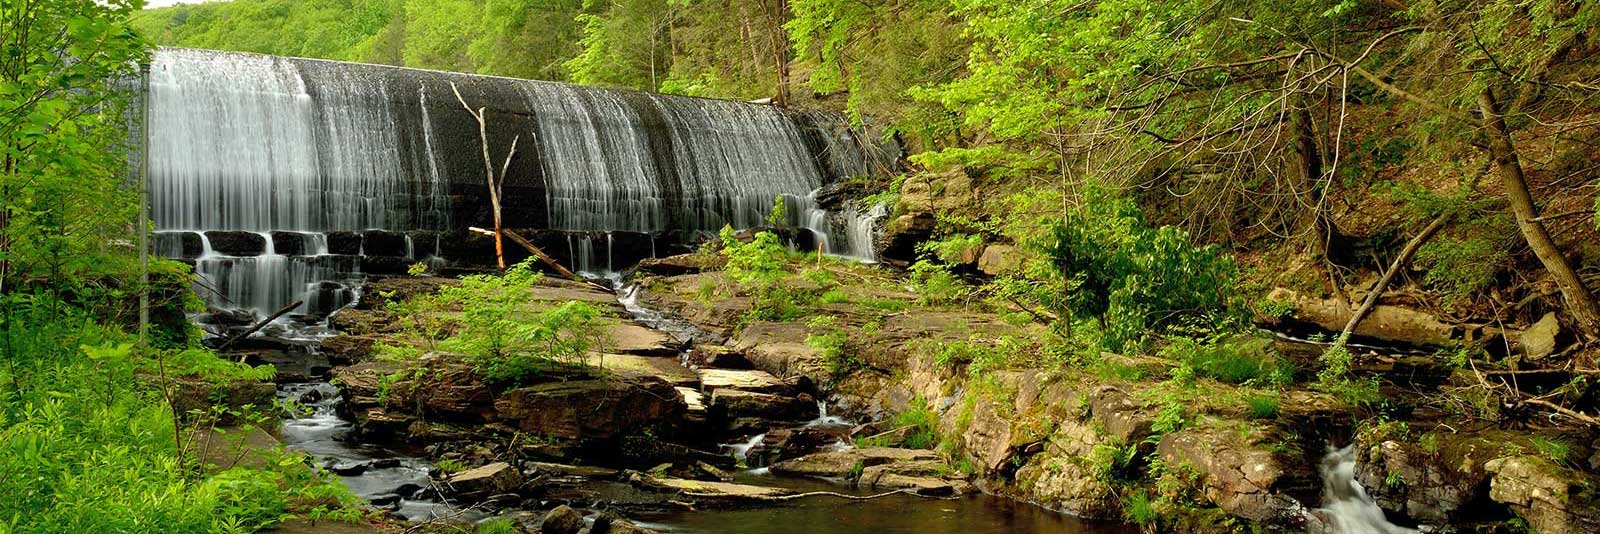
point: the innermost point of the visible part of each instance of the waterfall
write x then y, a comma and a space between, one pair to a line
354, 159
1345, 503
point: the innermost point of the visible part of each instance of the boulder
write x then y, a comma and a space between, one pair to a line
845, 463
1000, 259
1552, 499
679, 264
728, 403
1385, 322
293, 243
562, 520
593, 409
1436, 487
1239, 478
721, 357
712, 380
492, 479
667, 369
1541, 339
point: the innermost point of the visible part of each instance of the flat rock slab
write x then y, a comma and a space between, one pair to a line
692, 398
578, 293
841, 463
756, 381
665, 368
629, 338
717, 490
571, 470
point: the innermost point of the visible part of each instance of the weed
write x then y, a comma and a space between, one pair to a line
1262, 406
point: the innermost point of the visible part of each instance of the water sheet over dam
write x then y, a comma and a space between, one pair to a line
283, 178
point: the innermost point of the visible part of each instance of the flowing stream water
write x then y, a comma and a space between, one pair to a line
1345, 503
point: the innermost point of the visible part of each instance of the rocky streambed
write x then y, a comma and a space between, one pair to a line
672, 434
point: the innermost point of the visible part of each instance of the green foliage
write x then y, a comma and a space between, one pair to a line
922, 424
936, 285
1261, 406
496, 525
1555, 450
1138, 509
506, 340
834, 344
1138, 279
1235, 360
759, 267
500, 37
778, 216
1465, 260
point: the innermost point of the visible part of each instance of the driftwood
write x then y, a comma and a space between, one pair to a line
262, 324
495, 185
1388, 275
563, 271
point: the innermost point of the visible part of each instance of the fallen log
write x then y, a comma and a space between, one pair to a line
563, 271
262, 324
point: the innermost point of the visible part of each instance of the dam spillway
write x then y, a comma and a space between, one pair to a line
283, 178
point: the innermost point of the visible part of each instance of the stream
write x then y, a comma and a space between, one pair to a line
401, 482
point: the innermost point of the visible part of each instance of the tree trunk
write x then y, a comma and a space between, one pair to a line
780, 43
1316, 224
1580, 302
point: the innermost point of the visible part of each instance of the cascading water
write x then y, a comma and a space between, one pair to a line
338, 151
1346, 504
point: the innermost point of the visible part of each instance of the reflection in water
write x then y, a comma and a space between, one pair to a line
894, 514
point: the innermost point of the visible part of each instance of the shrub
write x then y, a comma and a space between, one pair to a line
923, 424
507, 343
1235, 360
1138, 279
833, 342
1555, 450
935, 284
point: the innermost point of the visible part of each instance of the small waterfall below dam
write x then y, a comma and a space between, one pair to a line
285, 179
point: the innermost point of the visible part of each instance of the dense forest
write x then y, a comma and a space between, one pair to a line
1142, 262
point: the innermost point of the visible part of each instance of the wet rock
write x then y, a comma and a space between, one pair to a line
628, 338
594, 409
727, 403
788, 443
1541, 339
227, 317
498, 477
347, 470
1239, 478
385, 501
844, 463
712, 380
679, 264
384, 243
408, 490
1552, 499
237, 243
562, 520
1000, 259
385, 264
291, 243
344, 243
179, 245
714, 490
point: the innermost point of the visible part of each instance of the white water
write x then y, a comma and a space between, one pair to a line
742, 450
1346, 504
247, 142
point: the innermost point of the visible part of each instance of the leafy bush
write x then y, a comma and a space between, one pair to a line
759, 267
506, 342
1466, 259
1139, 280
1235, 360
922, 422
935, 284
833, 342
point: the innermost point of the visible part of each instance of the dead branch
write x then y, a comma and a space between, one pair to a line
1388, 274
262, 324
